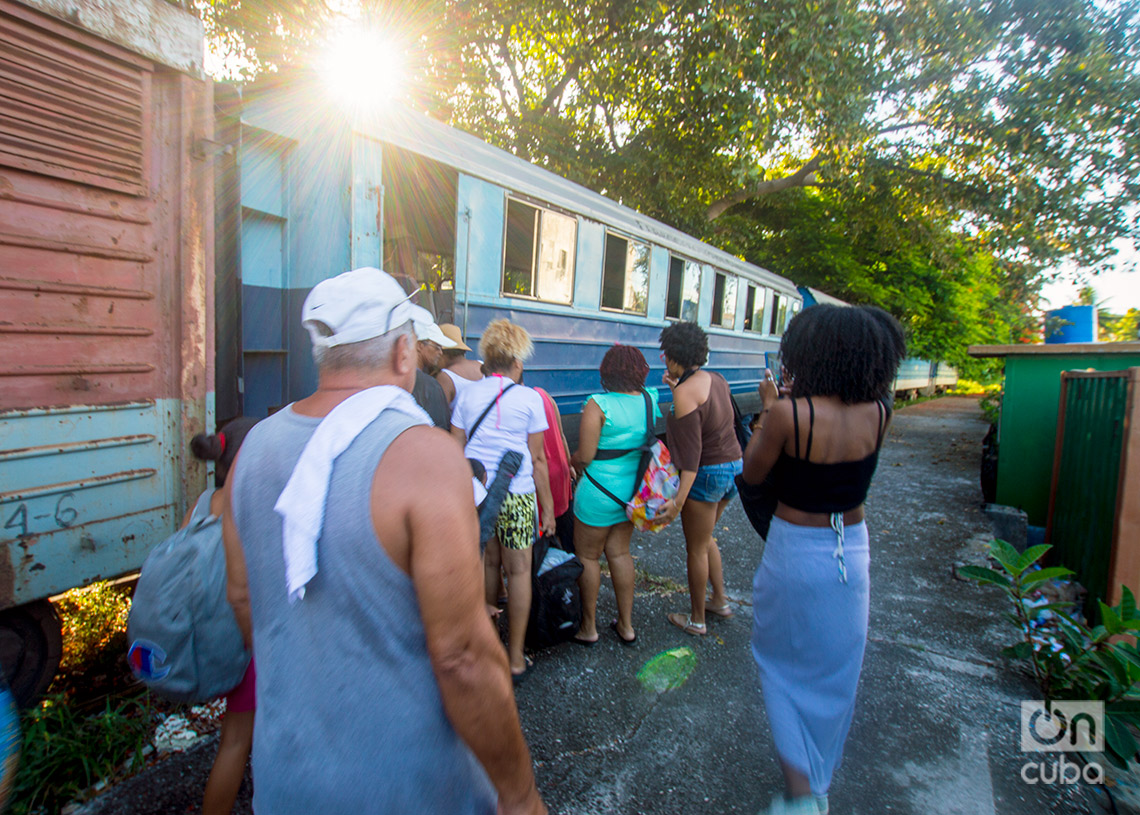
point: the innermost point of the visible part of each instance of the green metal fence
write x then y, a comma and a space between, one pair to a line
1086, 476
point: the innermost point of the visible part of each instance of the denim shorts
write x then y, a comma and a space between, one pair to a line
715, 482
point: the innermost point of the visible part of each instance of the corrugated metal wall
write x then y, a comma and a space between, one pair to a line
1086, 479
106, 333
68, 111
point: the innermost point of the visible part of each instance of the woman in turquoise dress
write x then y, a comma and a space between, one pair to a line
612, 422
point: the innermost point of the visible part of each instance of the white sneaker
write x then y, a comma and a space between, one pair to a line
797, 806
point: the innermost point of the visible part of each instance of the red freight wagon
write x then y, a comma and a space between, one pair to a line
106, 293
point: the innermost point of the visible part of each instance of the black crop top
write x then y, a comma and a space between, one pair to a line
811, 486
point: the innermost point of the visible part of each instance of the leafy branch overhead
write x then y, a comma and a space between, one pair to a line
960, 133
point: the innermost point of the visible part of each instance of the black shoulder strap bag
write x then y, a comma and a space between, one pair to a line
646, 450
759, 500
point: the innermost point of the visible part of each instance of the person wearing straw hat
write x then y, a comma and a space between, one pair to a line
456, 370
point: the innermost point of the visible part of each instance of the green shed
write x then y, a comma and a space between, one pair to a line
1027, 432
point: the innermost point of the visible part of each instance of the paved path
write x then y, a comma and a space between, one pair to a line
936, 729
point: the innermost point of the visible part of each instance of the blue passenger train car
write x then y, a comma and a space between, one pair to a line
310, 193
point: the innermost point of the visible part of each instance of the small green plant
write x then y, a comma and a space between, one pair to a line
94, 620
64, 753
991, 405
1098, 663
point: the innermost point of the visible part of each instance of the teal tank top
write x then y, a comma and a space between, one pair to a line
623, 429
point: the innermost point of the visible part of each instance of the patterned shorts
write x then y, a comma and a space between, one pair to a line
515, 526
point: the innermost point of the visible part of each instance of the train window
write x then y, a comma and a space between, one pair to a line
793, 309
419, 228
779, 314
538, 253
754, 309
684, 289
625, 276
724, 300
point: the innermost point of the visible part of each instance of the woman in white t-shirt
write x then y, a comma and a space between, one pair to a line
490, 417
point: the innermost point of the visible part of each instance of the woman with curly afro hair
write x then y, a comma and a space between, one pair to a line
614, 424
490, 417
702, 442
821, 447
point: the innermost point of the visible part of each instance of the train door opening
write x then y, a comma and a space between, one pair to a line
419, 218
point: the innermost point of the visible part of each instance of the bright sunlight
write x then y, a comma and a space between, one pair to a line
363, 68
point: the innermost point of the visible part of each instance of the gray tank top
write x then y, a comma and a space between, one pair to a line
349, 714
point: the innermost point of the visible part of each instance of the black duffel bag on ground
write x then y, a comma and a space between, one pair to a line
556, 602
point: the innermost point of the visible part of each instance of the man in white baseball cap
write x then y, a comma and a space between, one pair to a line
430, 342
355, 306
316, 488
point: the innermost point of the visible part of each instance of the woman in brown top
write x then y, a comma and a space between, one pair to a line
702, 443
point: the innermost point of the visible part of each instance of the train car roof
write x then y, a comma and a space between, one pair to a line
420, 134
822, 297
417, 132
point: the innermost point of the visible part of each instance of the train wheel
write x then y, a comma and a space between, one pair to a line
30, 647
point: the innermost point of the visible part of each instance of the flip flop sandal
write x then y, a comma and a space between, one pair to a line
725, 612
686, 624
583, 643
518, 678
621, 639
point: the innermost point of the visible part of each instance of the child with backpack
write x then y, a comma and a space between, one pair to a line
236, 738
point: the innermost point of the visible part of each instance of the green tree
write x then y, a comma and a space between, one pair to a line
1119, 327
951, 151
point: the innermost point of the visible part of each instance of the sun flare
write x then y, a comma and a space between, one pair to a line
363, 68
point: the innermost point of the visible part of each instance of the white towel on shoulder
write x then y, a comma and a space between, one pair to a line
301, 504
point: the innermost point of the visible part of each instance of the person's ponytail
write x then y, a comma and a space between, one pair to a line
208, 447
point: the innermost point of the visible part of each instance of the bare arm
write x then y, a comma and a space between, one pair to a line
542, 481
684, 403
423, 511
237, 580
448, 387
769, 437
589, 432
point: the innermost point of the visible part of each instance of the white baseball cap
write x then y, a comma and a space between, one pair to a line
356, 306
426, 329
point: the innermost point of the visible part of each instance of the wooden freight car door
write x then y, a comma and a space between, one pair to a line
103, 335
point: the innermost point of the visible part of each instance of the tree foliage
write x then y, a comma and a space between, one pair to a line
948, 151
1119, 327
1019, 116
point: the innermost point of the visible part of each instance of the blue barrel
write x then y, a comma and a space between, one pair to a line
1070, 324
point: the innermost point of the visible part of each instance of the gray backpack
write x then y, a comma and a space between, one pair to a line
185, 640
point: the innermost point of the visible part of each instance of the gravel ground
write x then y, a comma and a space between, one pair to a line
936, 728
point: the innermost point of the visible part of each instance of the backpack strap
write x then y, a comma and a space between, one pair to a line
647, 446
606, 492
610, 453
486, 410
200, 516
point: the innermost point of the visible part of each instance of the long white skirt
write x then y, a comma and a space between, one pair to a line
808, 637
